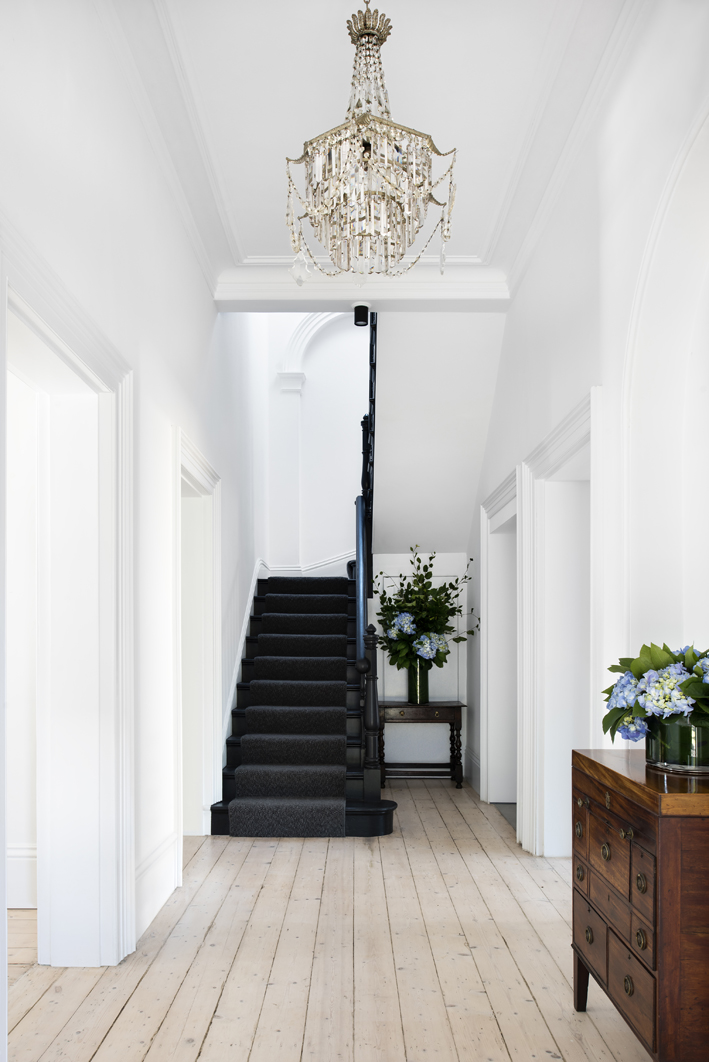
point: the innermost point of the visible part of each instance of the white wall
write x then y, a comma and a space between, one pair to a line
86, 193
314, 440
21, 681
194, 574
436, 376
612, 295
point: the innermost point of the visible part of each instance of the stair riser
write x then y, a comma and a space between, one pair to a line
249, 671
261, 606
355, 754
354, 723
256, 628
347, 586
244, 700
293, 647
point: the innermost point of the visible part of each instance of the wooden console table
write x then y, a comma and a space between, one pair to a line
435, 712
640, 915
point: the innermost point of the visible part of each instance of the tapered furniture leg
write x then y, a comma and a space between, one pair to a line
580, 984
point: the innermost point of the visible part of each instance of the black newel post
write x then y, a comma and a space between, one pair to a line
372, 772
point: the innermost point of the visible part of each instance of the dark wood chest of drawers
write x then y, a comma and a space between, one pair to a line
641, 898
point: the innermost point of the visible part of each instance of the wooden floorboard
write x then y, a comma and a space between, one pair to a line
442, 941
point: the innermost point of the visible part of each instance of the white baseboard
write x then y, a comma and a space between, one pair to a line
471, 768
22, 875
336, 566
155, 880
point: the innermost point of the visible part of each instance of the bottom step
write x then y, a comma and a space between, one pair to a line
361, 819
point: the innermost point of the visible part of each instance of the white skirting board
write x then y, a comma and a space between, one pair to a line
22, 875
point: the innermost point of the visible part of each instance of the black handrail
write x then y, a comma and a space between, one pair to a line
360, 577
368, 427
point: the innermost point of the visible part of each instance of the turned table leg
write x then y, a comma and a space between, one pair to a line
580, 984
456, 760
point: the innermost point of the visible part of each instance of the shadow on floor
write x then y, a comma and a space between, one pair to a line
509, 811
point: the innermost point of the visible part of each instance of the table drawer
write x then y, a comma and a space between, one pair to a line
642, 939
612, 907
590, 936
632, 989
609, 854
642, 882
419, 713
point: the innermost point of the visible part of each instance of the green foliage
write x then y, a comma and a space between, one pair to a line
432, 609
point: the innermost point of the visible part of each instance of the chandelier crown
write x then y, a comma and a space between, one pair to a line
369, 24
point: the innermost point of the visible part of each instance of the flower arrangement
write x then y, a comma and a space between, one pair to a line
416, 617
659, 683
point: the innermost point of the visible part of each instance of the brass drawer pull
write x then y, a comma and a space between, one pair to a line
606, 851
436, 714
583, 802
628, 985
641, 882
627, 833
579, 830
589, 935
579, 873
402, 713
641, 939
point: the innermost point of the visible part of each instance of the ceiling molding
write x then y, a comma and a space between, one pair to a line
126, 61
550, 63
272, 289
617, 47
200, 127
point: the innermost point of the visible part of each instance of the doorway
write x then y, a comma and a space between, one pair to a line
69, 840
502, 666
198, 650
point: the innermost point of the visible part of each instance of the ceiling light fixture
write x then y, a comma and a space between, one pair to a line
368, 182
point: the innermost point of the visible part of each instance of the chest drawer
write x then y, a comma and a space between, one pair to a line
609, 854
611, 906
581, 876
628, 813
642, 939
590, 935
632, 989
642, 883
579, 822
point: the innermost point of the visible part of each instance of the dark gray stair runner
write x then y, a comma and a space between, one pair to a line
292, 775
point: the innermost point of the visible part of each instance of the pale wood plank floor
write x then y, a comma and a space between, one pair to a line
21, 942
444, 941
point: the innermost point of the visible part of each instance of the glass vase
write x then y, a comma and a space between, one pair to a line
418, 683
677, 746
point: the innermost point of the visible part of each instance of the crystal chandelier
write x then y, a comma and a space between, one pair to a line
368, 182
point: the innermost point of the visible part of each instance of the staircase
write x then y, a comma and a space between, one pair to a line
295, 758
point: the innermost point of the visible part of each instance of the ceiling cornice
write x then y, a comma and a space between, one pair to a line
619, 42
126, 60
271, 288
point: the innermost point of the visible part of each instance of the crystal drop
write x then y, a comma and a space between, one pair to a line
443, 257
300, 270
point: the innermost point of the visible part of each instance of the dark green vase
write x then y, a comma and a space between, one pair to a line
418, 683
677, 746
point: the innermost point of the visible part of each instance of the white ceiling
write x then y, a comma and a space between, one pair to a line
235, 86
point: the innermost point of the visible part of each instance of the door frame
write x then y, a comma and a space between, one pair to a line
30, 289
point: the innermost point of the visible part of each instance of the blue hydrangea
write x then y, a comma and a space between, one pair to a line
404, 622
632, 728
624, 692
659, 692
439, 641
681, 652
392, 632
704, 665
424, 647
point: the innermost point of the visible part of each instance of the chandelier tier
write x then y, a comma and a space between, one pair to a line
369, 181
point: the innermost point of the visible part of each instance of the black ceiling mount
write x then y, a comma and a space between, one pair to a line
361, 315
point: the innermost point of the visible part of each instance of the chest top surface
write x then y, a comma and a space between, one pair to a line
626, 771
